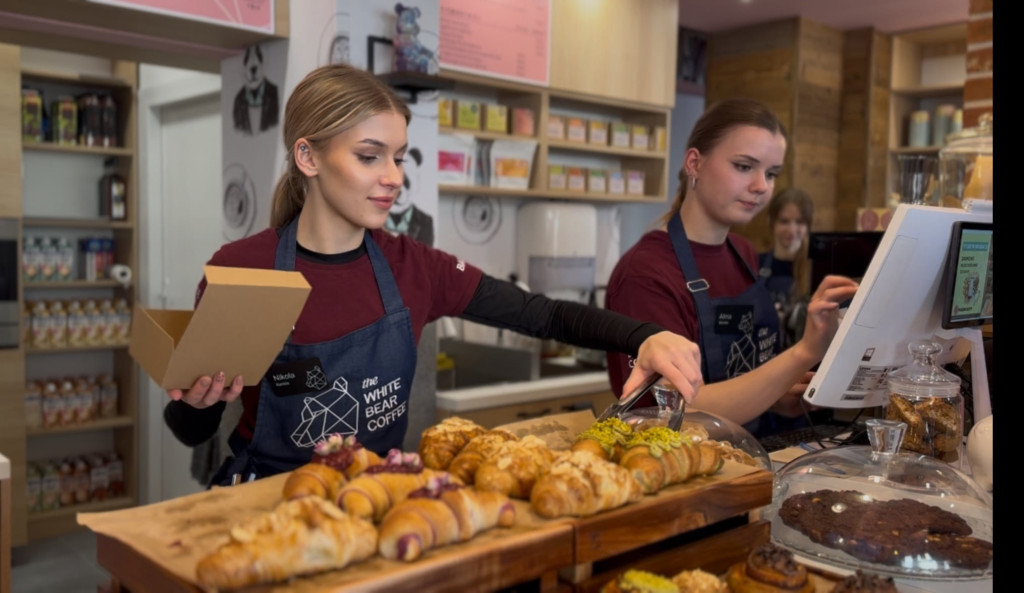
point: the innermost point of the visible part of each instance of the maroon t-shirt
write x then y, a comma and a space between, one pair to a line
648, 285
344, 296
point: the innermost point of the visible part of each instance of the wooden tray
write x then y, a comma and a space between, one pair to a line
156, 547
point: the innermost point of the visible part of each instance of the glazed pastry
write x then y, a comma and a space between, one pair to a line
862, 582
515, 467
605, 439
478, 449
640, 581
699, 581
372, 494
440, 443
441, 513
298, 537
345, 454
580, 484
313, 479
769, 569
658, 457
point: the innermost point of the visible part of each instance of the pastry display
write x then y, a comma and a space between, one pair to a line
440, 443
659, 456
373, 493
769, 569
606, 439
862, 582
442, 512
699, 581
885, 531
479, 448
580, 484
515, 467
640, 581
298, 537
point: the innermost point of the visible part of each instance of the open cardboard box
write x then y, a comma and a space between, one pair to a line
239, 327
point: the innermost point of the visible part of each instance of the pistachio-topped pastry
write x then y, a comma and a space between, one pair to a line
657, 438
606, 438
640, 581
659, 456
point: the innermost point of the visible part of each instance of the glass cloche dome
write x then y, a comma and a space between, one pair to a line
874, 508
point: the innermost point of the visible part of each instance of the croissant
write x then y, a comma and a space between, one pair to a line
515, 467
479, 448
604, 439
438, 515
658, 457
440, 443
345, 454
298, 537
313, 479
580, 483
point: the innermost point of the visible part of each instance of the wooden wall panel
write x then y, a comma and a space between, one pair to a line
625, 49
10, 131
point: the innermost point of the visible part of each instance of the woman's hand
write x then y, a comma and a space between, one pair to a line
674, 357
823, 315
791, 403
207, 391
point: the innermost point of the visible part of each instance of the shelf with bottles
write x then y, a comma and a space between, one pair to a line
91, 425
74, 113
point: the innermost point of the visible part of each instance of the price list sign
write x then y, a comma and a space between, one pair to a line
501, 38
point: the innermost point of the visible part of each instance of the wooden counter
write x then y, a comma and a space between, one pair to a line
156, 547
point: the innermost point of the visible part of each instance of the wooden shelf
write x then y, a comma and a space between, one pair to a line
34, 350
930, 91
77, 223
92, 426
599, 149
112, 82
118, 151
553, 194
915, 150
75, 284
485, 135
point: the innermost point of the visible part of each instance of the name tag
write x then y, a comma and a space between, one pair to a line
730, 319
296, 377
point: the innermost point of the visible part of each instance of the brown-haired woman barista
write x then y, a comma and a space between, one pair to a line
699, 279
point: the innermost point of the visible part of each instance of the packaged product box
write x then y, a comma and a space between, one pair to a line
659, 139
640, 137
556, 127
456, 155
495, 118
523, 121
511, 162
619, 134
577, 178
467, 115
616, 182
239, 326
556, 177
634, 182
597, 181
576, 129
597, 132
445, 112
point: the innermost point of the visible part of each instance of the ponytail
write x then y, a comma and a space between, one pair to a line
289, 196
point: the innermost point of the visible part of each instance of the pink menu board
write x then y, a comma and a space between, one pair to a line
257, 15
503, 38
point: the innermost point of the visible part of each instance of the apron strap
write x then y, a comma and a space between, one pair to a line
284, 259
711, 357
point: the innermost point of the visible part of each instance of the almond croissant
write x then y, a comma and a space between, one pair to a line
580, 483
439, 514
298, 537
515, 466
478, 449
440, 443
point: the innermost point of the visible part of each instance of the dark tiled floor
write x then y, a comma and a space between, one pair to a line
65, 563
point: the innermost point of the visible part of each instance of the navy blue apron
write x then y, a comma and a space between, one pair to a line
356, 384
737, 334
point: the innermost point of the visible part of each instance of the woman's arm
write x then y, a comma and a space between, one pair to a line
502, 304
190, 425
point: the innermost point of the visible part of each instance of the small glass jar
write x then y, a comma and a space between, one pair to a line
965, 165
928, 400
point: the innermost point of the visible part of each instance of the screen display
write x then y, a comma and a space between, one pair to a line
967, 299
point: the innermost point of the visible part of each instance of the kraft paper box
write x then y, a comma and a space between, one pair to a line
239, 326
576, 129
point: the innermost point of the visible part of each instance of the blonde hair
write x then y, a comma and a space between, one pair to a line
717, 121
801, 263
328, 101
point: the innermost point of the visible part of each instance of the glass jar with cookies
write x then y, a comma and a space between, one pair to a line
928, 400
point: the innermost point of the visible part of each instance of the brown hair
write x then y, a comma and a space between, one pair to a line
801, 263
717, 121
328, 101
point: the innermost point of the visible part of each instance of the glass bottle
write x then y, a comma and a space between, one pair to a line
928, 400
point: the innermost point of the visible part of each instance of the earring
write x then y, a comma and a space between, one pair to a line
304, 147
693, 183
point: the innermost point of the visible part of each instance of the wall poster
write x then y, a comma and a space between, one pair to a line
501, 38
